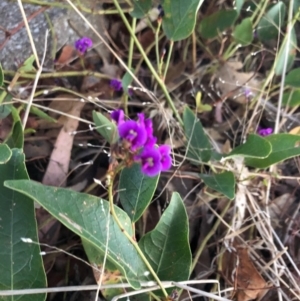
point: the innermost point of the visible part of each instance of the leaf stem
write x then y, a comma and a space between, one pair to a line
168, 59
149, 64
133, 242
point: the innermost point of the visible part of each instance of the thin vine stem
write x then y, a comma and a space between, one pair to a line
133, 242
149, 64
129, 63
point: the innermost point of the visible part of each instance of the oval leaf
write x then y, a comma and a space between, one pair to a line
140, 8
180, 18
269, 26
214, 24
136, 191
291, 98
21, 263
105, 127
250, 149
223, 183
243, 33
167, 246
87, 216
284, 146
5, 153
291, 48
293, 78
198, 145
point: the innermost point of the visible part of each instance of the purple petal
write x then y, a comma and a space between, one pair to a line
150, 161
118, 116
166, 160
116, 84
134, 133
83, 44
265, 131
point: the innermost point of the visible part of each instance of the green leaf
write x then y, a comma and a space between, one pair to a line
198, 145
21, 263
243, 33
16, 137
180, 18
136, 191
214, 24
105, 127
223, 183
293, 78
239, 4
111, 275
269, 26
284, 146
167, 246
291, 48
250, 148
140, 8
291, 98
126, 81
27, 66
89, 217
5, 153
1, 75
5, 110
40, 113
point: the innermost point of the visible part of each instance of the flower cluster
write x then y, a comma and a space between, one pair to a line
137, 137
83, 44
264, 131
117, 86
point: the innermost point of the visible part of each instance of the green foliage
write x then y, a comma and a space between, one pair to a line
105, 127
243, 33
250, 149
180, 18
291, 98
293, 78
223, 183
198, 145
167, 246
140, 8
290, 47
217, 22
15, 138
21, 263
136, 191
88, 216
269, 26
284, 146
5, 153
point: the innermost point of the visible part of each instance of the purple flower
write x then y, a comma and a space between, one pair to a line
150, 160
151, 140
116, 84
83, 44
134, 133
166, 160
264, 131
118, 116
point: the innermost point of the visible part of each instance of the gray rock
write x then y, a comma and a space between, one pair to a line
66, 26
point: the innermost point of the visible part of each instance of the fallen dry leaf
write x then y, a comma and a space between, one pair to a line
58, 166
243, 275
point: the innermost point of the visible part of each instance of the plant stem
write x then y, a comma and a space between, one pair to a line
157, 48
133, 242
209, 235
32, 75
149, 64
129, 64
168, 59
